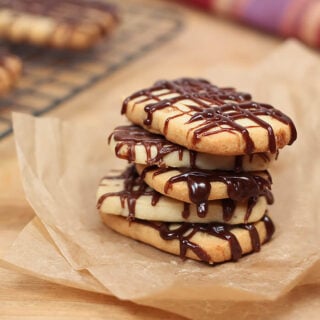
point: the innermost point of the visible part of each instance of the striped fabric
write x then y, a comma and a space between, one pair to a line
288, 18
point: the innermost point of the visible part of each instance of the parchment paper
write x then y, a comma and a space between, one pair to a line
61, 165
302, 303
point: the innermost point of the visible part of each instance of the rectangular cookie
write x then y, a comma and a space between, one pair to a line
63, 24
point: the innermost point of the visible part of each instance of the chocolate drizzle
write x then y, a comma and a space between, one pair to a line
240, 186
217, 110
270, 228
229, 206
133, 189
132, 136
254, 236
185, 231
227, 114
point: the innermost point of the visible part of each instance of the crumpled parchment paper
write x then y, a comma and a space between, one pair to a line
61, 165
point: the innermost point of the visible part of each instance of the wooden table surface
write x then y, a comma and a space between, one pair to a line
204, 42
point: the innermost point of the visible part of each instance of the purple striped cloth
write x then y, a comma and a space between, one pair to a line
288, 18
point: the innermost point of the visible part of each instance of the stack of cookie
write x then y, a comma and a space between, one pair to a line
198, 187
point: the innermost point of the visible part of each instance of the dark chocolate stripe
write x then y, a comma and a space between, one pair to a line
132, 136
218, 110
134, 187
184, 232
240, 186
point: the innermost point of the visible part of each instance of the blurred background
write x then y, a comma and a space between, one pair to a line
148, 40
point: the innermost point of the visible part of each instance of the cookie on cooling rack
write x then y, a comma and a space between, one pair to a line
10, 71
63, 24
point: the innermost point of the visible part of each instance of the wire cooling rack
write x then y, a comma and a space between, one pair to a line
52, 77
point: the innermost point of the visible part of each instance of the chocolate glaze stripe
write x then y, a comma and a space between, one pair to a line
228, 206
199, 89
270, 228
252, 202
213, 109
185, 231
134, 187
240, 186
132, 135
254, 237
227, 114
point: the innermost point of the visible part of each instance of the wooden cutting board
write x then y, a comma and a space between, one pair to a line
204, 42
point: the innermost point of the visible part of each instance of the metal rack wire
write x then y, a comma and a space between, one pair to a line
52, 77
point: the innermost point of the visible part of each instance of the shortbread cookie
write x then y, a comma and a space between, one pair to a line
212, 243
10, 71
202, 117
67, 24
198, 186
137, 145
129, 196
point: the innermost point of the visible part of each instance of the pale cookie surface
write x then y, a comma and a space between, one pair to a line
10, 71
198, 186
202, 117
212, 243
129, 196
137, 145
65, 24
